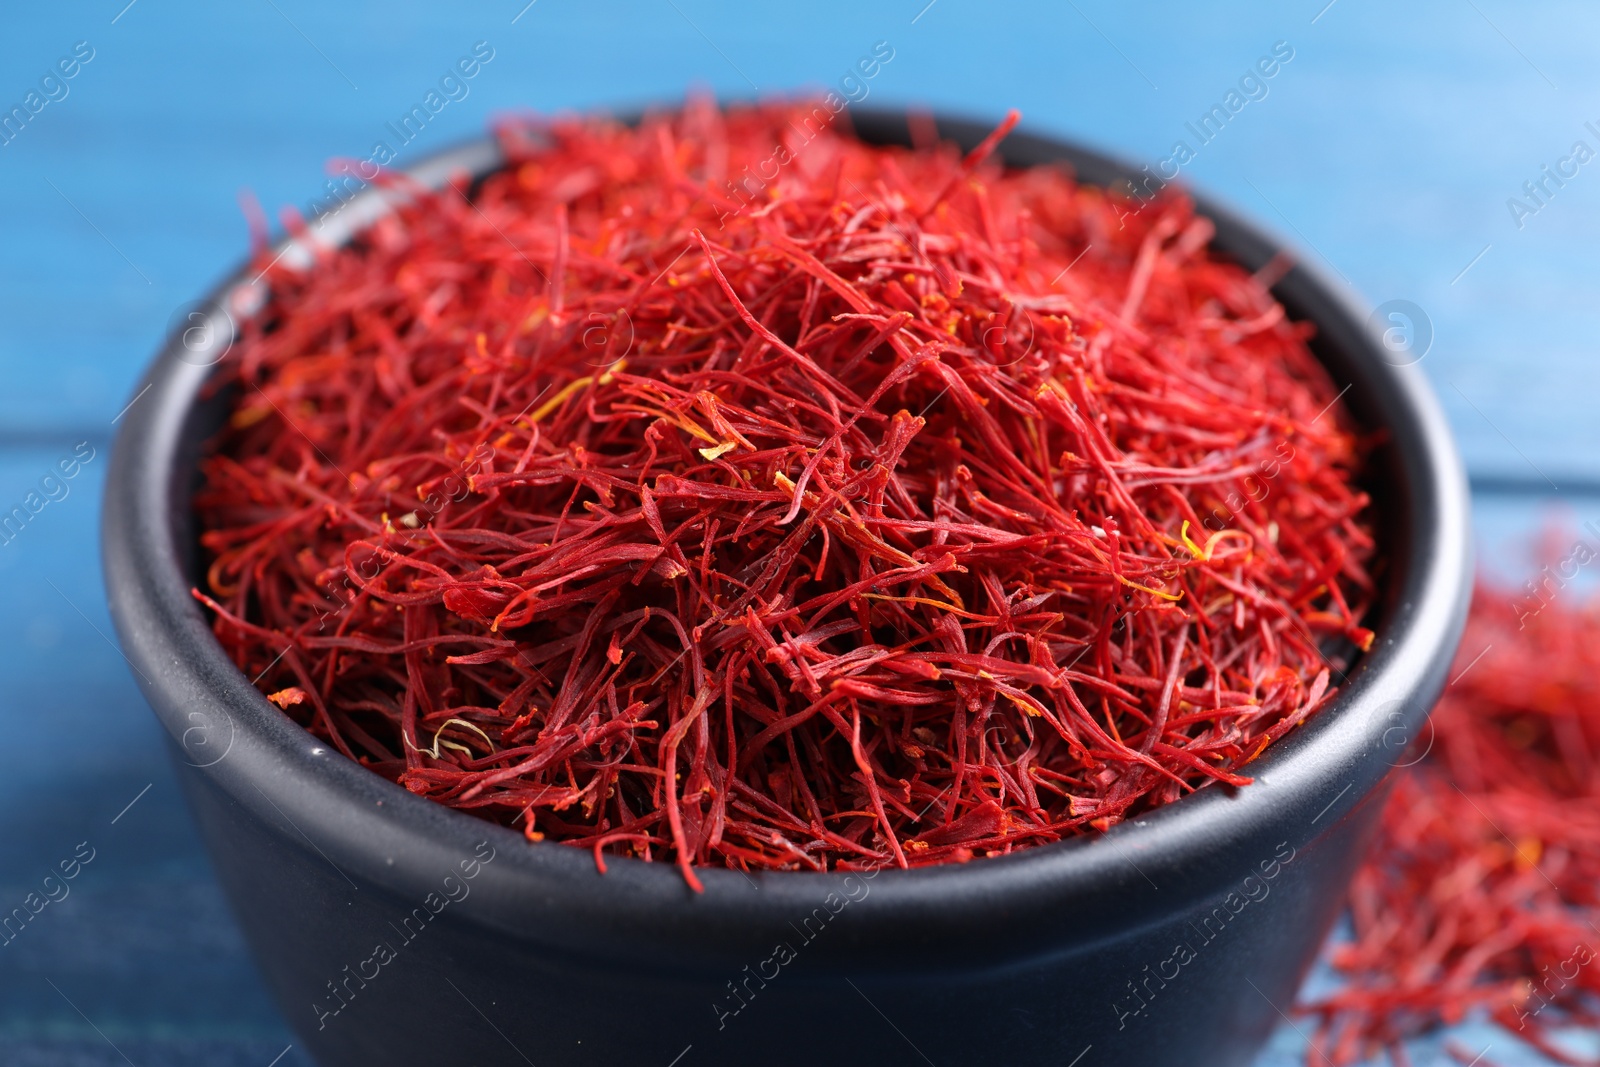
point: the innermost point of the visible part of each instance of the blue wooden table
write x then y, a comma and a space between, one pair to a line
1427, 153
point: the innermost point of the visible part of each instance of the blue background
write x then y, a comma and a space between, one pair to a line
1388, 148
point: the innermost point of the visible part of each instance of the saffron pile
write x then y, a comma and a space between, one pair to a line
1481, 896
726, 491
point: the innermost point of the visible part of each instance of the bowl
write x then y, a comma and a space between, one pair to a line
394, 930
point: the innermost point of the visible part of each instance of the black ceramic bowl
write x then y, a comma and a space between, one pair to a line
396, 931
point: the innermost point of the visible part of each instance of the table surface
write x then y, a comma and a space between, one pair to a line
1389, 148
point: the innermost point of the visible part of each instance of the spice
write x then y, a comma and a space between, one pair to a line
886, 508
1481, 896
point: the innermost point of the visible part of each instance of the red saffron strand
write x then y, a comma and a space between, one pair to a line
1481, 897
858, 521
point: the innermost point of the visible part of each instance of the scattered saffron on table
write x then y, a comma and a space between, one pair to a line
1481, 896
888, 507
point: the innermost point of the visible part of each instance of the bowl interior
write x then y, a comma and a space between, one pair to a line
1305, 299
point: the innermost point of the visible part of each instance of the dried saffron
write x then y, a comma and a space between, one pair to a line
1481, 896
890, 507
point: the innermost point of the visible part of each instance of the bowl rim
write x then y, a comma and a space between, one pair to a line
998, 909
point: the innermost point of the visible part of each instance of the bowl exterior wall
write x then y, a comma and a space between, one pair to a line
366, 977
